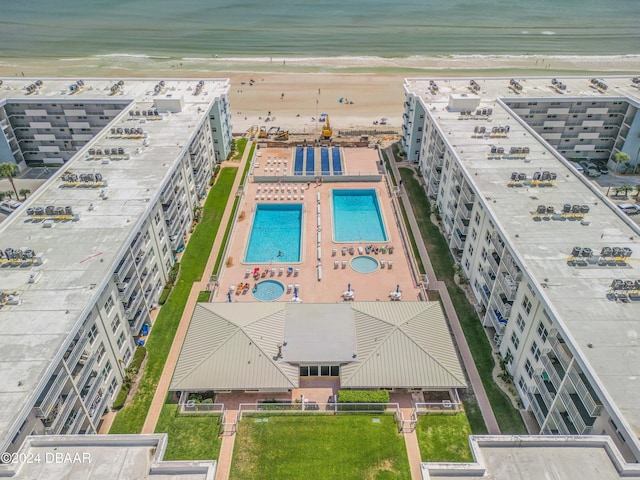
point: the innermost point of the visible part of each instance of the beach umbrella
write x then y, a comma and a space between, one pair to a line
384, 119
295, 292
229, 297
398, 288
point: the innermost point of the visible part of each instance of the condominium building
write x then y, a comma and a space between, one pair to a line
552, 263
84, 259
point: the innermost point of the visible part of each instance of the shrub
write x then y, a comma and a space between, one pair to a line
165, 294
121, 398
174, 272
138, 358
363, 396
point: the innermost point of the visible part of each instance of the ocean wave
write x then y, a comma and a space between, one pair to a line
131, 55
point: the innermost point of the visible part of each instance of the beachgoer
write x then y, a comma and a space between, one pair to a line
279, 253
318, 91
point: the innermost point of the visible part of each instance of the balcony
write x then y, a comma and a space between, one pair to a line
458, 241
577, 415
137, 242
462, 225
511, 267
560, 350
136, 322
489, 278
545, 387
508, 285
497, 243
98, 406
486, 294
91, 392
76, 349
554, 369
129, 284
123, 268
498, 321
494, 261
559, 422
587, 395
133, 306
56, 427
77, 423
53, 391
538, 407
467, 195
86, 370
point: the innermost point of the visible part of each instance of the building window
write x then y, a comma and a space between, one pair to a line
120, 340
520, 322
161, 233
484, 253
115, 324
108, 305
528, 368
127, 356
477, 219
101, 352
112, 387
526, 305
474, 234
470, 250
515, 340
509, 356
164, 250
157, 218
466, 264
93, 333
535, 351
522, 384
543, 333
107, 369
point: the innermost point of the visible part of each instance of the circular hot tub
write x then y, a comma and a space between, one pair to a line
364, 264
268, 290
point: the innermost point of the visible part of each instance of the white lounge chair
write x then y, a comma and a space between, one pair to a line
297, 287
257, 196
296, 272
281, 271
360, 250
289, 197
382, 263
334, 252
336, 264
302, 196
295, 197
247, 272
344, 251
269, 197
273, 272
390, 263
262, 197
289, 287
344, 264
282, 196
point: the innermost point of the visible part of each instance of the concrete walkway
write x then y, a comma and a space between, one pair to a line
225, 457
439, 286
178, 340
413, 449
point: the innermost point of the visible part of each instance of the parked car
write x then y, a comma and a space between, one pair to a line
629, 208
603, 169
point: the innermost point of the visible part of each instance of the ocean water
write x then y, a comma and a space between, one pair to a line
192, 29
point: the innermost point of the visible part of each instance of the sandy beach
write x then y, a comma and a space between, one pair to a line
313, 86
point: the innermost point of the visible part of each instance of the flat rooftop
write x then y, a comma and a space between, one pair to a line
103, 457
537, 457
604, 332
80, 256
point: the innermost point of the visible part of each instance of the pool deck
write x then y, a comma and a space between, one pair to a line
367, 287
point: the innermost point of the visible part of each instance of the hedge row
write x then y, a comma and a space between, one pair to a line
132, 370
363, 396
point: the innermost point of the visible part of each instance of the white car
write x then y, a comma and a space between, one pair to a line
629, 208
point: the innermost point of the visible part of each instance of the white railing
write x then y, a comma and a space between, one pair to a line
191, 406
445, 406
316, 408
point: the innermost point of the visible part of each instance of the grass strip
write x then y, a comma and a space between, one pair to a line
444, 438
508, 418
192, 436
131, 418
310, 447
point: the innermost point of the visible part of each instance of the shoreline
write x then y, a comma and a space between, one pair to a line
313, 86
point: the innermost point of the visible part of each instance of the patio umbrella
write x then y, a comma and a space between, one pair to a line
349, 288
398, 288
229, 297
295, 292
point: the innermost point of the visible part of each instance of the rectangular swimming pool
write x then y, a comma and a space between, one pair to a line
357, 216
276, 234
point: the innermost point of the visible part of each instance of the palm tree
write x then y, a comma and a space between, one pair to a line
637, 189
8, 171
24, 192
8, 193
627, 188
617, 190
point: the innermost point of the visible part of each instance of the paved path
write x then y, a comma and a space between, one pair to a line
454, 321
225, 457
178, 340
413, 450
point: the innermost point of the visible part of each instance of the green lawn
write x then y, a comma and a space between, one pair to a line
204, 296
395, 148
131, 418
444, 438
191, 436
509, 419
241, 144
319, 447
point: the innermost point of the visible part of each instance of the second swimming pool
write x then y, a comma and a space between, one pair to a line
276, 234
357, 216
